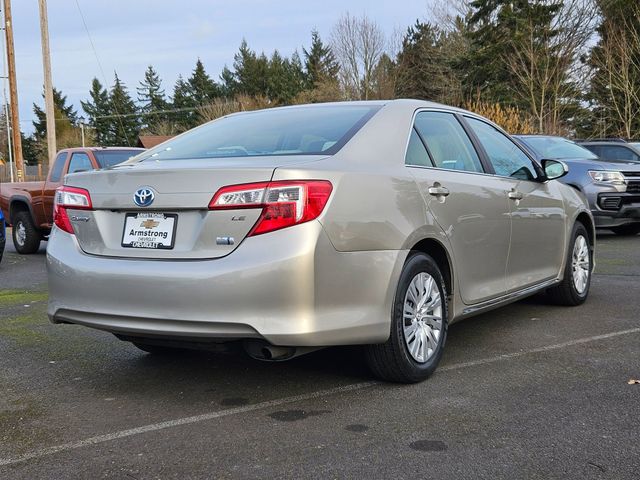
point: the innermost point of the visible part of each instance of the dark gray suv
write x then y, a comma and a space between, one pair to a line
612, 188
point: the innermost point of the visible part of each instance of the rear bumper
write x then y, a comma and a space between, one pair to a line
289, 287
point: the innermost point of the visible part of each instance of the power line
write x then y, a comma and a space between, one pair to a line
104, 77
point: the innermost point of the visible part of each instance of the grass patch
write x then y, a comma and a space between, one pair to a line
611, 261
21, 297
21, 328
21, 424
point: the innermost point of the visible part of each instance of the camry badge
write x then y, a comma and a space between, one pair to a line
143, 197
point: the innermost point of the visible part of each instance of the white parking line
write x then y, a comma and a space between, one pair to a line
283, 401
556, 346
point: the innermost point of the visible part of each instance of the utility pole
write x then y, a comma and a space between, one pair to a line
48, 86
81, 119
6, 105
13, 92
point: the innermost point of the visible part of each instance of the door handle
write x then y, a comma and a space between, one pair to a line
515, 195
438, 191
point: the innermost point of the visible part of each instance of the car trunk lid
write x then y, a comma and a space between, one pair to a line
176, 223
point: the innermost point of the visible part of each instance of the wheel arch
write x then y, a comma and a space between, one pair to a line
587, 221
19, 203
440, 255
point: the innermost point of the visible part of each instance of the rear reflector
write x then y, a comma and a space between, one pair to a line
69, 197
283, 203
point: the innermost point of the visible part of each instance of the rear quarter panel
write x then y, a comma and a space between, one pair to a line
376, 204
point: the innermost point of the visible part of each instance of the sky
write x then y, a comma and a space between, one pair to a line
129, 35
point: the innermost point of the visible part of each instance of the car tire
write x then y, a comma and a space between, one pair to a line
156, 349
26, 237
627, 230
416, 341
574, 288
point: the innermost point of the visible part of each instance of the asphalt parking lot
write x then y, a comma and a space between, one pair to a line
528, 391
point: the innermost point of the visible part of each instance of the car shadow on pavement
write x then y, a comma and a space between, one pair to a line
200, 376
138, 371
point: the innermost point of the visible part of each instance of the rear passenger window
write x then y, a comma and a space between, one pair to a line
416, 153
613, 152
507, 159
448, 143
58, 166
80, 162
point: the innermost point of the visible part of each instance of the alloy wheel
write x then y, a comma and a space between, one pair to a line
580, 264
422, 317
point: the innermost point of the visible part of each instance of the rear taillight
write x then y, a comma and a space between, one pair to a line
69, 197
283, 204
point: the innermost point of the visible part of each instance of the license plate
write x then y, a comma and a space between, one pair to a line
149, 230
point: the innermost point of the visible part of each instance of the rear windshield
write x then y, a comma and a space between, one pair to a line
557, 148
109, 158
313, 130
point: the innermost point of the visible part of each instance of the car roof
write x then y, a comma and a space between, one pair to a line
409, 103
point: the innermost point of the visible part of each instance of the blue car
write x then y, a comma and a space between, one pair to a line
3, 234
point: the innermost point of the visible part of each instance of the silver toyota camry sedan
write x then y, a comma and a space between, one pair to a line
291, 229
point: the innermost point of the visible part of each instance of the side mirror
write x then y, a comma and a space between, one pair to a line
554, 169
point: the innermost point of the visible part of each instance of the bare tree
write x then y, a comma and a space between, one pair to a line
446, 13
618, 61
358, 44
546, 62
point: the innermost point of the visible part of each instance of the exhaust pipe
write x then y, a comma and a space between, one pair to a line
261, 350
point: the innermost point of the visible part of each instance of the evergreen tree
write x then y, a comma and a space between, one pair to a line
202, 88
184, 105
124, 126
229, 84
384, 78
30, 150
96, 108
494, 29
319, 61
249, 74
152, 99
67, 132
285, 78
62, 110
297, 75
426, 66
277, 79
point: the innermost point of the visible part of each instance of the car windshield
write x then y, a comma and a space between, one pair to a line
556, 148
109, 158
311, 130
635, 145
